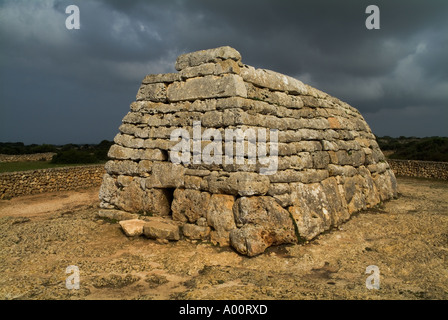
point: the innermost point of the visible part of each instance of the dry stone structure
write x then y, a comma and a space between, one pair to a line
320, 162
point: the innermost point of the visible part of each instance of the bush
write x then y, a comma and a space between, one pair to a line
74, 156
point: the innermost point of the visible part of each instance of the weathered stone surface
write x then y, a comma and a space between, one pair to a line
310, 209
207, 87
126, 167
118, 215
108, 188
195, 232
132, 228
157, 78
273, 80
159, 228
153, 92
219, 68
353, 193
189, 205
220, 218
157, 202
165, 175
386, 185
212, 55
335, 204
261, 222
118, 152
239, 183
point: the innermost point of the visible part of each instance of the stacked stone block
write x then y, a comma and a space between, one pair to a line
329, 163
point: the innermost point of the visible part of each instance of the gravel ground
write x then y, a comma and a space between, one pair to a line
407, 238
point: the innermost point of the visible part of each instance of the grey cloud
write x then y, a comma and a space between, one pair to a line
90, 76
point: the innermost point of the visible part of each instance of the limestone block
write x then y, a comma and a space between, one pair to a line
189, 205
195, 232
160, 228
273, 80
278, 188
241, 183
157, 202
157, 78
335, 204
371, 194
122, 153
220, 218
144, 167
132, 228
229, 85
124, 181
212, 55
330, 145
128, 141
337, 170
126, 167
353, 190
219, 68
386, 185
310, 134
309, 209
192, 182
165, 175
263, 222
130, 198
151, 154
108, 188
283, 199
127, 128
212, 119
321, 159
118, 215
153, 92
304, 176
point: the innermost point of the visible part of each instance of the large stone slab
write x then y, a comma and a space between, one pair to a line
203, 56
273, 80
132, 228
310, 209
189, 205
261, 222
220, 218
159, 228
229, 85
118, 215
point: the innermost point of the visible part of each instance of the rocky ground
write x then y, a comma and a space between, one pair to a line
407, 238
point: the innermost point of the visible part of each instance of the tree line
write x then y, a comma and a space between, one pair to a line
65, 154
412, 148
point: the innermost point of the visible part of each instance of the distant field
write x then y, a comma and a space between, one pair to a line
32, 165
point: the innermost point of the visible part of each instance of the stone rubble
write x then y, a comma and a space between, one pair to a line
329, 163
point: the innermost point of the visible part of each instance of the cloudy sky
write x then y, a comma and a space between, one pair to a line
74, 86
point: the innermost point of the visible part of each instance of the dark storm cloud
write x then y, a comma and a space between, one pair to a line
60, 85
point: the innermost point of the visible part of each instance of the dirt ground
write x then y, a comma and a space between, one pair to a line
407, 238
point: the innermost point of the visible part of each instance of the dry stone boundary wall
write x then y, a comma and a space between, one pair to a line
420, 169
27, 157
14, 184
329, 163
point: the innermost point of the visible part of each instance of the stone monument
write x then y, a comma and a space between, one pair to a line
238, 156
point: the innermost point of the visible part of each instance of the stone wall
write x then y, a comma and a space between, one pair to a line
27, 157
326, 163
421, 169
14, 184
